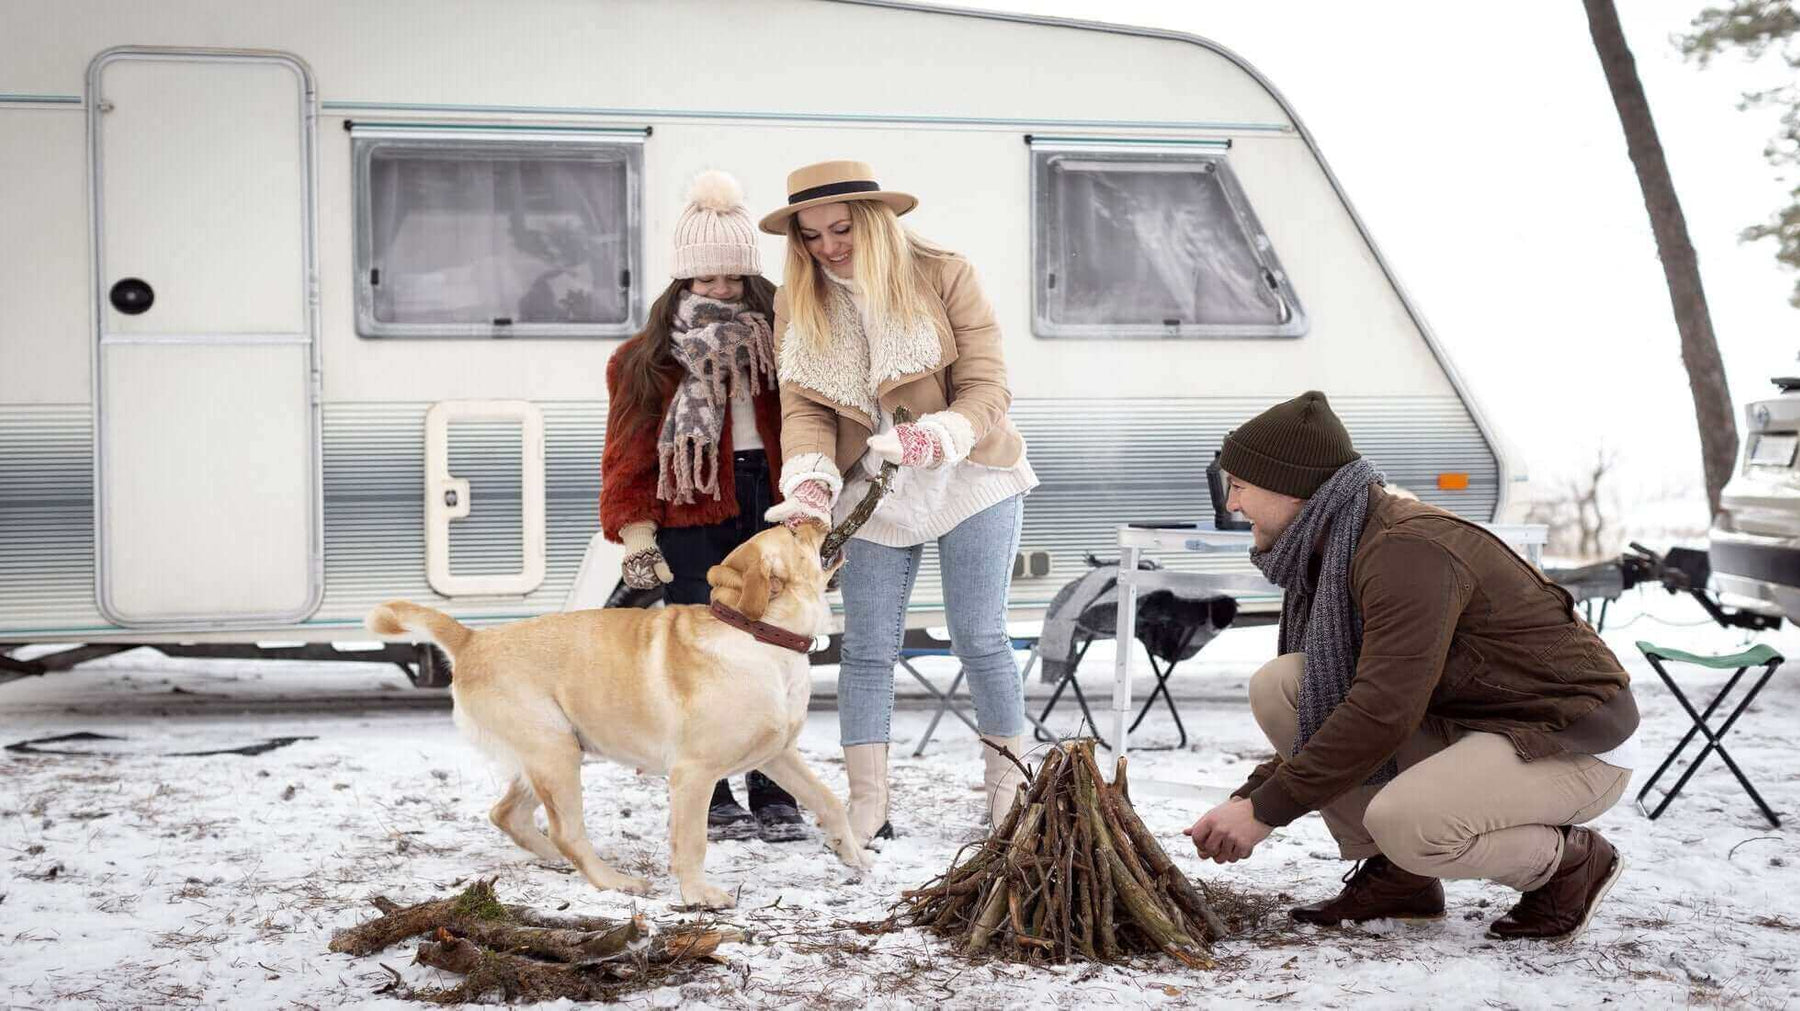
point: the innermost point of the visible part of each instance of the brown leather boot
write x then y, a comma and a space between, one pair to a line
1562, 906
1373, 890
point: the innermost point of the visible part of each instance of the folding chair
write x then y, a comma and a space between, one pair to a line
1758, 655
1168, 627
946, 700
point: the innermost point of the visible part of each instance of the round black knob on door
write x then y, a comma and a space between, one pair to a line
132, 296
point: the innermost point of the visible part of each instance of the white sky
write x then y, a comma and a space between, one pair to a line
1480, 145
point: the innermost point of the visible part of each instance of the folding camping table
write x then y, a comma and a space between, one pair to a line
1200, 538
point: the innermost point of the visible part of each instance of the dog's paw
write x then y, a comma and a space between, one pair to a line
705, 896
628, 884
852, 854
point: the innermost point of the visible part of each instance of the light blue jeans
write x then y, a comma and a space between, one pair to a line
976, 558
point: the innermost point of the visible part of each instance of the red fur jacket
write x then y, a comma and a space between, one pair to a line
629, 467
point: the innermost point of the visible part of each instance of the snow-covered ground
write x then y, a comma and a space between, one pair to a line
133, 877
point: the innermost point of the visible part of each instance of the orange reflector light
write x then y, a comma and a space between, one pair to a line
1453, 482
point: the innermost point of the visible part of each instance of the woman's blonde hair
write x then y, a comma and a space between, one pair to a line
885, 262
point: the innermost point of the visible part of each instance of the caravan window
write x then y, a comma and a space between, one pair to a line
1152, 245
496, 237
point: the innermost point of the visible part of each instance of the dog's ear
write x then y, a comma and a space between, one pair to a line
742, 582
753, 601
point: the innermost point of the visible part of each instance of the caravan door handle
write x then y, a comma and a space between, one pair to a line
455, 492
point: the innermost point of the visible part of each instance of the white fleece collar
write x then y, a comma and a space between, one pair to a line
862, 353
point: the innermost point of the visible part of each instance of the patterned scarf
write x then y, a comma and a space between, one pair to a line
1320, 620
715, 342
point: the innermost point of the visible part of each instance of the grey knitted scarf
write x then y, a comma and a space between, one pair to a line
715, 341
1319, 620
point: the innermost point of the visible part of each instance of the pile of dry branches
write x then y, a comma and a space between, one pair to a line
1071, 872
523, 954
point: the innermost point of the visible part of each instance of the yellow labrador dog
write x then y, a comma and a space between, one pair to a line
677, 690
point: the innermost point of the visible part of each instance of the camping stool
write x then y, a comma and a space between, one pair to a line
1758, 655
946, 700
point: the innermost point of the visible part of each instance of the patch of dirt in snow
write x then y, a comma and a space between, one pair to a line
137, 877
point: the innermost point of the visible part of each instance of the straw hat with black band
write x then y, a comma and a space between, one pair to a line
833, 182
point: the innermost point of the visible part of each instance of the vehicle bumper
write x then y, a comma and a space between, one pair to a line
1757, 572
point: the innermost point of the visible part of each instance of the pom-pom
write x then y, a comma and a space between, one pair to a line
717, 192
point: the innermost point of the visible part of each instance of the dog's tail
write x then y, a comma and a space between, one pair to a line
398, 617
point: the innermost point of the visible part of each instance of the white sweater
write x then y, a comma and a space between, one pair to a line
743, 423
923, 505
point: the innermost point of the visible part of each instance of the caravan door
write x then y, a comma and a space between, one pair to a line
208, 508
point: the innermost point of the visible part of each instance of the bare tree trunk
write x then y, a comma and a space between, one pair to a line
1699, 351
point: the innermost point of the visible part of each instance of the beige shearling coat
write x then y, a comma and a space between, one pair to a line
824, 429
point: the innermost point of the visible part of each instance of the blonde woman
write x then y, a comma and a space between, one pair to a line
869, 318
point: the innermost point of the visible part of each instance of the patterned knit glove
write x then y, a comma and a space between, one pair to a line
809, 502
644, 567
909, 445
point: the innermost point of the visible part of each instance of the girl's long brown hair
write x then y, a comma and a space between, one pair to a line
648, 372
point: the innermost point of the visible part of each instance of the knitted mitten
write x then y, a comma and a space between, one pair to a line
809, 502
939, 439
644, 567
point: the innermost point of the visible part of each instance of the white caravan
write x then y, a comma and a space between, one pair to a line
308, 306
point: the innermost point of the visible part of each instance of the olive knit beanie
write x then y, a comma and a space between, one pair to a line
1291, 448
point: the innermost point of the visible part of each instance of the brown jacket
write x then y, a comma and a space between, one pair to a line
967, 374
1458, 627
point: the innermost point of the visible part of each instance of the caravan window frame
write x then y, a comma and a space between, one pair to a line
626, 151
1048, 256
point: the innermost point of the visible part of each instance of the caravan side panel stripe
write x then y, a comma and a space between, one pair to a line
1102, 462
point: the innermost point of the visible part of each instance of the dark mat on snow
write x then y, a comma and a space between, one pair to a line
34, 746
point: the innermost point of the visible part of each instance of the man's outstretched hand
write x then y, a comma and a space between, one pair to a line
1229, 832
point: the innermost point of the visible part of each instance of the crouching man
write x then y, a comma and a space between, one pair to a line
1436, 699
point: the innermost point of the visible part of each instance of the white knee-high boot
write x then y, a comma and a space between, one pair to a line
1000, 778
866, 765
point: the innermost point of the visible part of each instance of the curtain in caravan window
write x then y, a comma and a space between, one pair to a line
471, 237
1150, 244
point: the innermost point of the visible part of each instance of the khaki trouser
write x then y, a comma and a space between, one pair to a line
1465, 805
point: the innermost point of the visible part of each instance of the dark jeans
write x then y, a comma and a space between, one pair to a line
690, 551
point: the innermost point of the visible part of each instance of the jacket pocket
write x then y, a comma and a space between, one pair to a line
1569, 653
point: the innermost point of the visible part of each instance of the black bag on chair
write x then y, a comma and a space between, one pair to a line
1171, 627
1164, 620
1174, 628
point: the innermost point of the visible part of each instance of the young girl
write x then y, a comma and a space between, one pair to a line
684, 478
871, 317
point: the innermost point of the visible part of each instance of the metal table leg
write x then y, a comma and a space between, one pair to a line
1125, 636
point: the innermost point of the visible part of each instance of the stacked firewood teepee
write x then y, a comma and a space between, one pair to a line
1071, 872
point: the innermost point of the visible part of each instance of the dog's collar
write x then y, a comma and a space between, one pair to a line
762, 630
